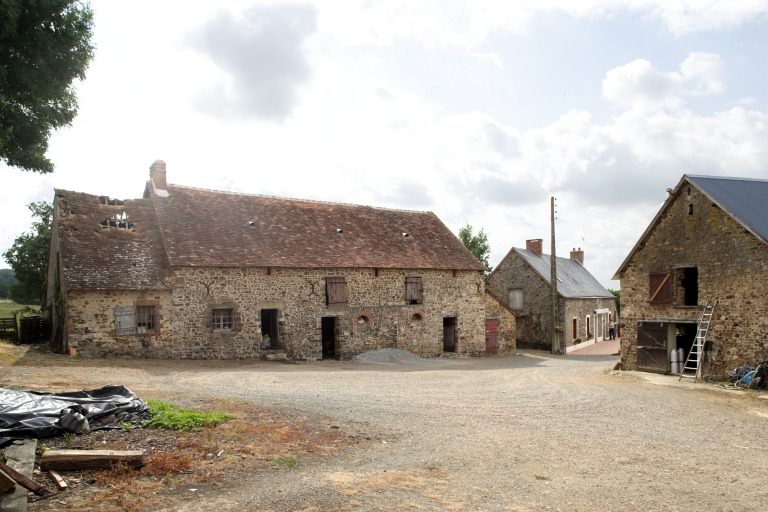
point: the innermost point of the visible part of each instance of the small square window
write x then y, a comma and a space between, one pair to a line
222, 319
146, 319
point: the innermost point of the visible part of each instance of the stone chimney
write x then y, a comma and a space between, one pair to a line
157, 175
578, 255
534, 245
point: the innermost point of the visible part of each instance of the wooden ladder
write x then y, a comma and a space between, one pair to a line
695, 356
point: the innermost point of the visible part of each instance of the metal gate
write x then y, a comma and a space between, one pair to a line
652, 354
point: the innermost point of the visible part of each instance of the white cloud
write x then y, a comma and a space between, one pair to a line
687, 16
638, 86
262, 55
701, 73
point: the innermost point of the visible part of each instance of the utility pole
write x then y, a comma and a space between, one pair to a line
553, 279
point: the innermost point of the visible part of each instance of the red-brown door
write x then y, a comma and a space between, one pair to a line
491, 336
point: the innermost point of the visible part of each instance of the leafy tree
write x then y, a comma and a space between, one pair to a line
477, 245
617, 294
7, 278
28, 256
44, 46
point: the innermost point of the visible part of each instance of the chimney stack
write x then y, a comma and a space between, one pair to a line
157, 175
534, 245
578, 255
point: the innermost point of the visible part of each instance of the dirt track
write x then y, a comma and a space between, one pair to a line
527, 432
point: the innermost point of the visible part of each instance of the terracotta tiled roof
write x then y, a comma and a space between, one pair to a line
94, 256
210, 228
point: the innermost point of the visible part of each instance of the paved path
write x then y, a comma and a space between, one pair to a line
603, 348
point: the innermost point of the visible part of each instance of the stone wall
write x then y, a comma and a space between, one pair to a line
375, 316
90, 324
507, 336
732, 265
580, 309
535, 317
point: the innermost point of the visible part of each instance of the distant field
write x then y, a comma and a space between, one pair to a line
7, 307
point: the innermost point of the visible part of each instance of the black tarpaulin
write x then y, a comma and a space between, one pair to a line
25, 414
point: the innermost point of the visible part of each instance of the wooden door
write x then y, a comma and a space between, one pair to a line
491, 336
652, 347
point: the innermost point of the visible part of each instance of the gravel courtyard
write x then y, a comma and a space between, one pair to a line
525, 432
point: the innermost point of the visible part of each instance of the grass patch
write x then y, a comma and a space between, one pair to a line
8, 307
541, 477
290, 462
172, 417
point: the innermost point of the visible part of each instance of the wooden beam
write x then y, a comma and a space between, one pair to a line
88, 459
6, 483
24, 481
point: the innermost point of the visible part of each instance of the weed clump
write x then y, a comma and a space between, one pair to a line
172, 417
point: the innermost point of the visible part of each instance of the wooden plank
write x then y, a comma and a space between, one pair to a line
24, 481
6, 483
60, 483
87, 459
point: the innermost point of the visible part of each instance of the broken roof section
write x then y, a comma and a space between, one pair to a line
134, 244
108, 244
743, 199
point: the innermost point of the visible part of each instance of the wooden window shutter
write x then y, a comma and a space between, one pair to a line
335, 291
660, 288
125, 321
413, 290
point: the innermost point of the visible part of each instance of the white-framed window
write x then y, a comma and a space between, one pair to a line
223, 319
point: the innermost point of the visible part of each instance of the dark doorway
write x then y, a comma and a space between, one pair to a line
329, 337
690, 285
686, 334
269, 327
449, 334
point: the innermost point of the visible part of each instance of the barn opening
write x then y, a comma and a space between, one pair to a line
328, 328
449, 334
269, 327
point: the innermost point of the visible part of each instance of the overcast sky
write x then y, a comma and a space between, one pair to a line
479, 111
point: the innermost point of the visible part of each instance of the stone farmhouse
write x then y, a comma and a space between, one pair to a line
192, 273
707, 243
523, 281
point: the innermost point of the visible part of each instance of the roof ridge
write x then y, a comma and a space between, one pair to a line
734, 178
314, 201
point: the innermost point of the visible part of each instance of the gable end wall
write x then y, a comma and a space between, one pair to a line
732, 268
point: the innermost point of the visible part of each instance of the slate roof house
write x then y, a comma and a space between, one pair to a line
523, 281
706, 243
191, 273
